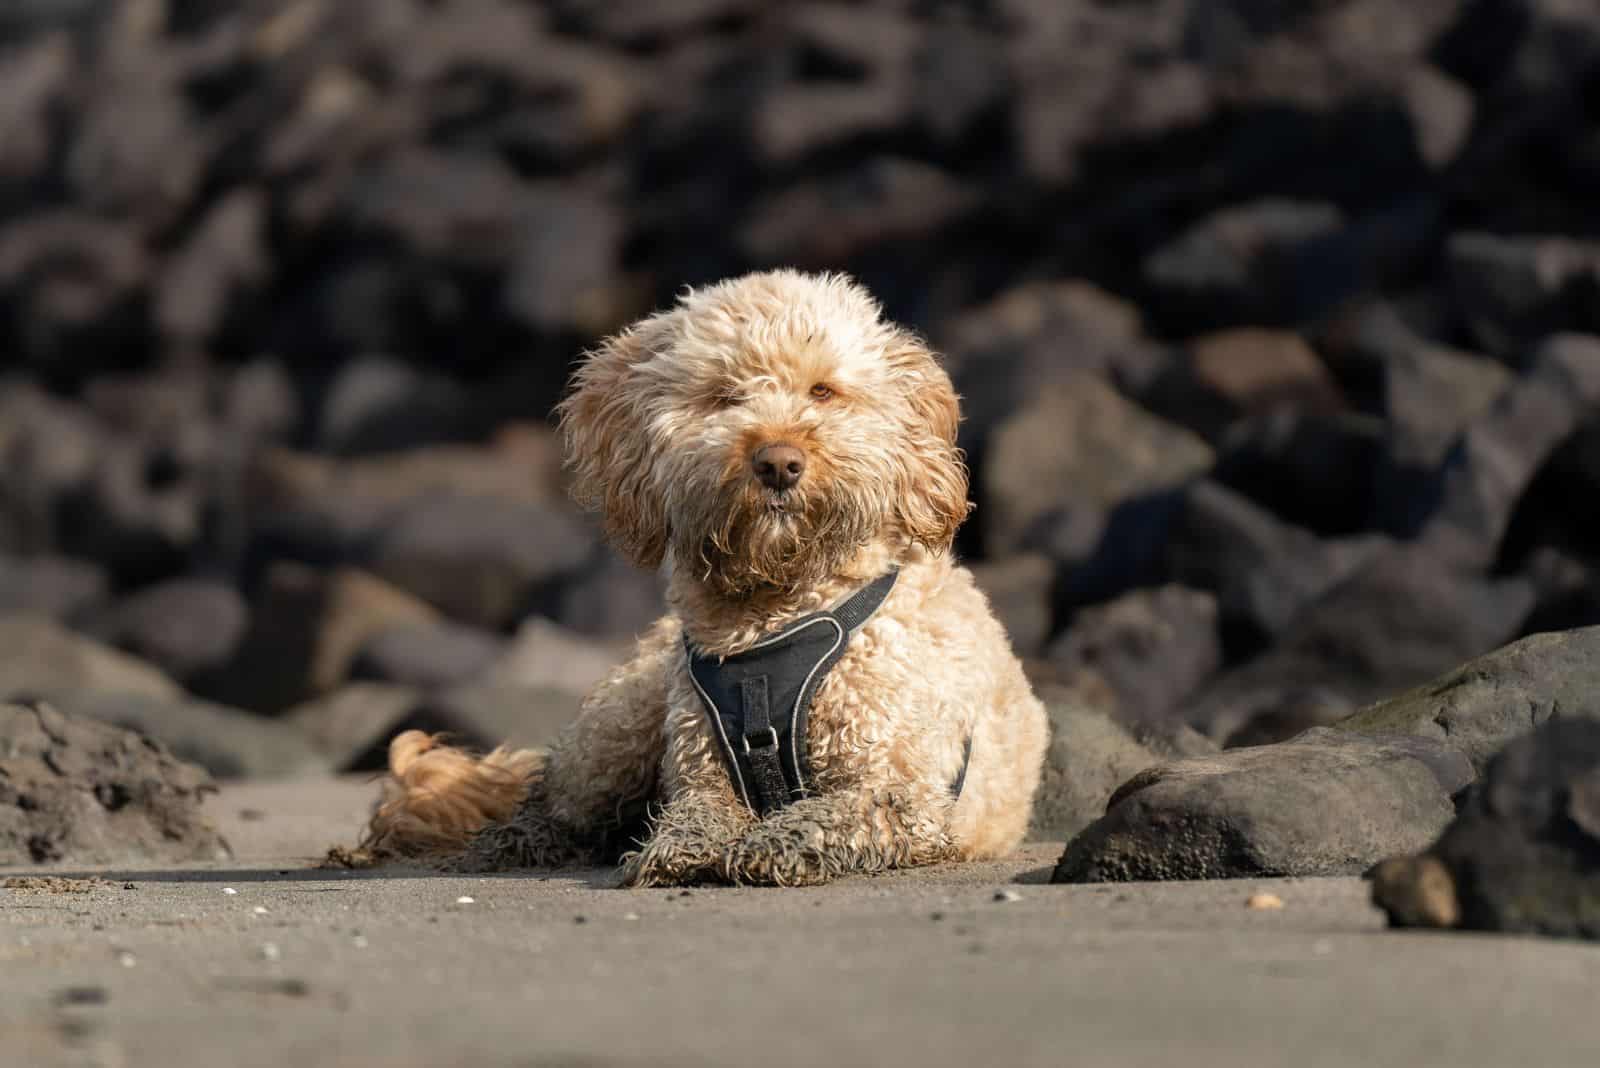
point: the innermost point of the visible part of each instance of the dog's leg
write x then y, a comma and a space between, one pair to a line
564, 803
702, 814
819, 838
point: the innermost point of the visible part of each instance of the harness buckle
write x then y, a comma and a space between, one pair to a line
772, 733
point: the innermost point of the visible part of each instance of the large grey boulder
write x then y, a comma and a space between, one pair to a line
1494, 699
1326, 803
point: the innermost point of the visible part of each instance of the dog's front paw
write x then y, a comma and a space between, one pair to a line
770, 854
667, 861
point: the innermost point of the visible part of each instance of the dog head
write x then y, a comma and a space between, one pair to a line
765, 431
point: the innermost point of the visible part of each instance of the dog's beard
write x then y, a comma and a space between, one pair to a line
741, 536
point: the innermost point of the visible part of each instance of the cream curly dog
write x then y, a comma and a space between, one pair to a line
778, 448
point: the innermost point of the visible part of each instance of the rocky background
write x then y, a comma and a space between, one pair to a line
1275, 322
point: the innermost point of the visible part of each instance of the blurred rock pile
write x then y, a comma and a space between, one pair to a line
1275, 323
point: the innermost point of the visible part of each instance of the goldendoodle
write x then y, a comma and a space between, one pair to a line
830, 692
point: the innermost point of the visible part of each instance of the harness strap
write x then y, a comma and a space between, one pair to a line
758, 700
761, 748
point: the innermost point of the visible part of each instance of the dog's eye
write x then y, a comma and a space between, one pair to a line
821, 392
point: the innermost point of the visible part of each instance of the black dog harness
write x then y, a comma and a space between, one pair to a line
758, 699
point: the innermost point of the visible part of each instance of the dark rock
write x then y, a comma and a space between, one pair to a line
563, 274
225, 257
1277, 717
1470, 503
644, 25
184, 626
544, 655
135, 151
1001, 352
261, 403
1252, 371
314, 508
507, 714
33, 79
1018, 589
1523, 857
1263, 571
52, 586
79, 279
380, 405
1398, 620
570, 99
1490, 701
1324, 804
306, 628
351, 727
1154, 647
426, 655
1130, 86
38, 656
1319, 472
837, 218
139, 512
1079, 445
81, 792
1100, 553
1090, 755
480, 560
227, 742
456, 207
1432, 394
1512, 291
171, 409
48, 448
1240, 265
1568, 592
610, 599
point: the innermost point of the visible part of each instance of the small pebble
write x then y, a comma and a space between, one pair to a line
126, 959
630, 915
1007, 895
580, 919
465, 900
230, 891
936, 916
270, 951
129, 886
259, 910
1264, 901
359, 941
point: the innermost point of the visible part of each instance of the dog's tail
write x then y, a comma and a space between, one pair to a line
436, 797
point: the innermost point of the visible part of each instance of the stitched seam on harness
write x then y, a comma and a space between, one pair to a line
794, 711
716, 718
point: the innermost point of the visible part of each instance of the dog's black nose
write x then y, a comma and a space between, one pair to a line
778, 467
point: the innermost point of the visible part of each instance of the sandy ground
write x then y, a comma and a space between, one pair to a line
261, 962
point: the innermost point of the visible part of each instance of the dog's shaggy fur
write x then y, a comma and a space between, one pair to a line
660, 430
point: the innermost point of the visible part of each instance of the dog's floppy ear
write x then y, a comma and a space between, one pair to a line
607, 449
933, 492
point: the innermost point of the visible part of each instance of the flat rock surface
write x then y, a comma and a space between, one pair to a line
160, 967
